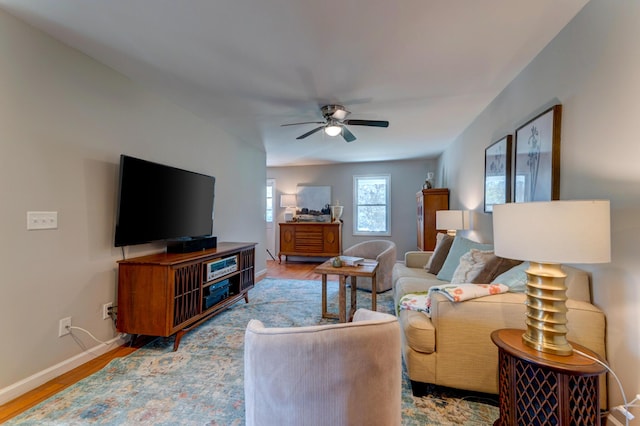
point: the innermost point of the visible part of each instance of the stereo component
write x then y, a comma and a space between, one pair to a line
191, 245
220, 267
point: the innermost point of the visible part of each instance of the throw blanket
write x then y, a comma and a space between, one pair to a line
455, 292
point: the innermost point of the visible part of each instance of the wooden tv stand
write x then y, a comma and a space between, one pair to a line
164, 294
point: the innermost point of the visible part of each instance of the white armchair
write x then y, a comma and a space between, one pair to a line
384, 252
337, 374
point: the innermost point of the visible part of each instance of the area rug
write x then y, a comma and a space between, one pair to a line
202, 382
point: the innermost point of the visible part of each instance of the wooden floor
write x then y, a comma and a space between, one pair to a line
291, 270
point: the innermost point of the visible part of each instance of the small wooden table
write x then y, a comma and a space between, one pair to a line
537, 388
369, 269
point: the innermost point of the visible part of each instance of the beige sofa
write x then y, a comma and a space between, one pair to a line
453, 348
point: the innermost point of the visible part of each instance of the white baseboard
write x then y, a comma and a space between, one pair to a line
260, 275
23, 386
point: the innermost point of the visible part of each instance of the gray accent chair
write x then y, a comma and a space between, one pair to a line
336, 374
384, 252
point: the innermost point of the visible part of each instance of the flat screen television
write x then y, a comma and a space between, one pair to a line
157, 202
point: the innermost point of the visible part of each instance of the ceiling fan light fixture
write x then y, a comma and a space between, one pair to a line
333, 130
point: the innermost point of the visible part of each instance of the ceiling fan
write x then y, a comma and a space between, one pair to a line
335, 123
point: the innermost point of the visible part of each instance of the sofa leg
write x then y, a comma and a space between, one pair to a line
419, 389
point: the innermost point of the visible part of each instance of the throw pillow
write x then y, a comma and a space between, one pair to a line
440, 252
439, 237
471, 264
515, 278
459, 247
493, 268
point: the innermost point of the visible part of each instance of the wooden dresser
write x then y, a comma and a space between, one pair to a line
428, 202
318, 239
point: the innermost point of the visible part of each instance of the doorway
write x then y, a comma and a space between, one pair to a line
270, 219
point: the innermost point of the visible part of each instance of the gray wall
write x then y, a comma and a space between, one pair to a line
64, 121
407, 178
593, 69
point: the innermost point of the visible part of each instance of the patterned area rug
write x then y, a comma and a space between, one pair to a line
202, 383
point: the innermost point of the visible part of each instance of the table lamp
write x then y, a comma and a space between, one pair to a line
288, 201
548, 234
452, 220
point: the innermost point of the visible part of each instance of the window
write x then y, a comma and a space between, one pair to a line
269, 211
371, 206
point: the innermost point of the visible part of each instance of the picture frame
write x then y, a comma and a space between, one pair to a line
537, 158
313, 198
497, 173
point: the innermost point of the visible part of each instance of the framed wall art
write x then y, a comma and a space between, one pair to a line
313, 198
537, 158
497, 173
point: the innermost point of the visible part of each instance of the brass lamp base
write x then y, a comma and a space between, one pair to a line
546, 309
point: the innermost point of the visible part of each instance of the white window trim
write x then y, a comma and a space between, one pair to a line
272, 184
387, 178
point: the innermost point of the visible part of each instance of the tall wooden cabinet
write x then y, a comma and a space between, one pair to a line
318, 239
170, 293
428, 202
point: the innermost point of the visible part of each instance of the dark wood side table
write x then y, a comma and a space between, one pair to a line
544, 389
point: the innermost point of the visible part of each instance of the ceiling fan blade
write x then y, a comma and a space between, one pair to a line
347, 135
309, 133
374, 123
304, 122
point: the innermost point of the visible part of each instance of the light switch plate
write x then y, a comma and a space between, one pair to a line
42, 220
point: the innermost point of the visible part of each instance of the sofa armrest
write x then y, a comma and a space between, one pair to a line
417, 259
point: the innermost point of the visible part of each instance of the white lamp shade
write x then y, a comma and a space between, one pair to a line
288, 200
576, 231
452, 219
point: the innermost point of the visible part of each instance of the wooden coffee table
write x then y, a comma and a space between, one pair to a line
368, 269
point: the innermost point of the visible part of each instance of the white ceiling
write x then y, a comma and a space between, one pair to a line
429, 67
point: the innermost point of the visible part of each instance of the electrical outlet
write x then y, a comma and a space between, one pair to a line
105, 310
63, 326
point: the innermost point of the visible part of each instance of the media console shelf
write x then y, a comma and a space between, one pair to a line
164, 294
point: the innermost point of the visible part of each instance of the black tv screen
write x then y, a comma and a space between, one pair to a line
159, 202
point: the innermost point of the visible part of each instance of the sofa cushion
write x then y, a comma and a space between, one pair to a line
400, 270
472, 263
459, 247
440, 252
577, 281
493, 268
515, 278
